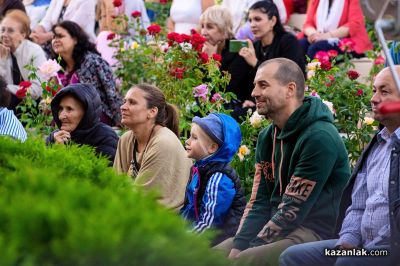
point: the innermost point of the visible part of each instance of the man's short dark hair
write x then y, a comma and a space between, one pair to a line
288, 71
4, 93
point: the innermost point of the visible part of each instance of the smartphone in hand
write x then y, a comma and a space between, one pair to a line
236, 45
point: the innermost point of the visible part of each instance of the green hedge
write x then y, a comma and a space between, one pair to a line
64, 206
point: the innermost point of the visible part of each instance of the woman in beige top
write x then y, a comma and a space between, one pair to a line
150, 152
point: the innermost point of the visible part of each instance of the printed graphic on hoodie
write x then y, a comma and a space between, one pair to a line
300, 188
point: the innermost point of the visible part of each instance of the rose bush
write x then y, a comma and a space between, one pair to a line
36, 115
338, 85
175, 63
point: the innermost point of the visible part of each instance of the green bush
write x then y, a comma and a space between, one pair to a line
63, 206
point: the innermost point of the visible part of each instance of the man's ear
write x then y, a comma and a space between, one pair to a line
213, 148
291, 90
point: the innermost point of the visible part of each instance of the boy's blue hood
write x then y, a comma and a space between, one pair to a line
231, 144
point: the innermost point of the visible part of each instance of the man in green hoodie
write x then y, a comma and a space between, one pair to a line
301, 169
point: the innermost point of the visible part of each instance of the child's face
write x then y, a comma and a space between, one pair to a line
199, 145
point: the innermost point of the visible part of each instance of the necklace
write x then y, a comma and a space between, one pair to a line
264, 50
134, 162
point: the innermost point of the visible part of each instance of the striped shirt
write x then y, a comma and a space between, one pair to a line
10, 125
367, 219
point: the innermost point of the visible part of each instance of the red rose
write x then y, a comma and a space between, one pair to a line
21, 93
153, 29
217, 57
197, 41
23, 88
177, 72
185, 37
117, 3
360, 92
352, 74
111, 36
163, 2
203, 57
322, 56
49, 89
379, 60
52, 91
25, 84
136, 14
346, 45
331, 77
193, 31
326, 65
174, 37
332, 53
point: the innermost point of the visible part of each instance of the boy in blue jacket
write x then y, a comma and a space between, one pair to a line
214, 197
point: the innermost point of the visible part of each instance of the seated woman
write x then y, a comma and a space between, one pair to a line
272, 40
16, 51
151, 152
238, 10
184, 14
81, 12
83, 64
329, 21
244, 32
216, 27
9, 123
76, 111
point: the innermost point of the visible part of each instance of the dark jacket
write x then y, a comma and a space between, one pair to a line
214, 196
301, 172
90, 131
230, 222
394, 196
237, 67
284, 45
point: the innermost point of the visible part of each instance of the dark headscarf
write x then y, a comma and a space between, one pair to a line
90, 131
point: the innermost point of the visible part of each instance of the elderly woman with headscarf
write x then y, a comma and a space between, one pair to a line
76, 111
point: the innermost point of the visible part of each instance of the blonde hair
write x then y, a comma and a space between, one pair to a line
221, 17
22, 18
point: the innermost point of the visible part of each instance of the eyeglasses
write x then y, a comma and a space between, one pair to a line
8, 30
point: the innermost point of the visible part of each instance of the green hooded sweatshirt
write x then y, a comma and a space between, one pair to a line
301, 184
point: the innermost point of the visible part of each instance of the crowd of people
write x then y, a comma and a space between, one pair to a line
304, 201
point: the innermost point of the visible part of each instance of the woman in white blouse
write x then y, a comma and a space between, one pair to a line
185, 15
82, 12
